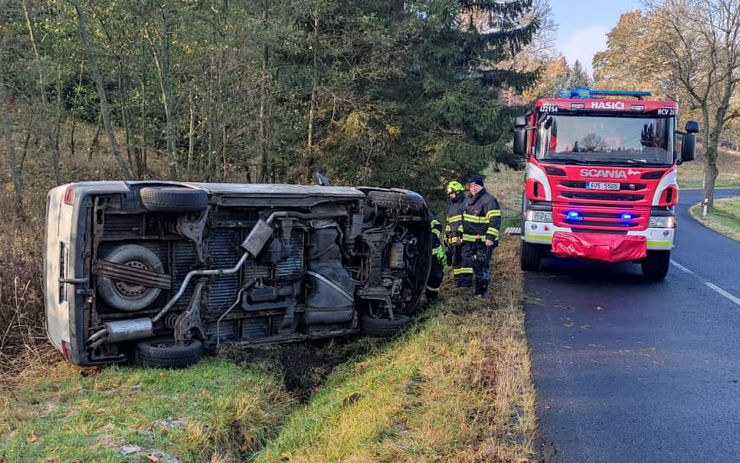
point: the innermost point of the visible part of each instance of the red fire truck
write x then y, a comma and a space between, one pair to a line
601, 178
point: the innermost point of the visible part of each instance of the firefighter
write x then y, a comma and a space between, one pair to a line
480, 226
453, 237
439, 260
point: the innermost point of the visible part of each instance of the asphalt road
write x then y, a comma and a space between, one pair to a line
631, 371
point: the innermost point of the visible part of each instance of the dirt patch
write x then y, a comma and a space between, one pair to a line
303, 366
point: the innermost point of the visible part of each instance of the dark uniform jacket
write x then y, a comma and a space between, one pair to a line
481, 218
436, 229
454, 219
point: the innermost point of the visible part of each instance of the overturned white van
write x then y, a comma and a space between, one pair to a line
154, 271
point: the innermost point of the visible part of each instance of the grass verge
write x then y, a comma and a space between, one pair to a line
455, 387
691, 174
724, 218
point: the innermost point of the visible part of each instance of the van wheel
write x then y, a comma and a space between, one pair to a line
382, 327
529, 256
164, 352
130, 297
655, 265
395, 200
173, 199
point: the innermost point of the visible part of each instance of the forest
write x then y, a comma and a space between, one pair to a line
380, 92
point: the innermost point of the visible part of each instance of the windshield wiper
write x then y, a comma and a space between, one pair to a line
566, 160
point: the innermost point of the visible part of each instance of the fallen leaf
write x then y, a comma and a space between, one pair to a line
152, 458
31, 438
463, 426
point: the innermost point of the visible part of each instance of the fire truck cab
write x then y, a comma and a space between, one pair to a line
601, 178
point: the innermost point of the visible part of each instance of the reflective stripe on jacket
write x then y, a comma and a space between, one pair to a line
454, 219
481, 218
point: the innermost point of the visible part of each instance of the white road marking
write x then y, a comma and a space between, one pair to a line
721, 291
710, 285
681, 267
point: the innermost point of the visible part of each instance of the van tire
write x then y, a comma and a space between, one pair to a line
164, 352
396, 200
173, 199
114, 292
382, 327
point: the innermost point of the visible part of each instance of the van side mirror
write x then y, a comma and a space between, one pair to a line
520, 121
688, 147
692, 127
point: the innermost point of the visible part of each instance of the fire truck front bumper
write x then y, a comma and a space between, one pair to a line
592, 245
599, 246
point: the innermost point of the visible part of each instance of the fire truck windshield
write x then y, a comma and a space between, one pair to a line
605, 139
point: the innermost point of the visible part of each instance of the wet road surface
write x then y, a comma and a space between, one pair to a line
632, 371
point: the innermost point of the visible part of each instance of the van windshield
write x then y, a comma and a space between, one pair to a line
605, 139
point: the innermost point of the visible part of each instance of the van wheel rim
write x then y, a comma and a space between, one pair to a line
128, 290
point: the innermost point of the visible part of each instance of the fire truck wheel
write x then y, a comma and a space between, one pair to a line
164, 352
655, 265
529, 256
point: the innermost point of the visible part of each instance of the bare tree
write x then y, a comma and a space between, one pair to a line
15, 172
160, 41
104, 107
700, 39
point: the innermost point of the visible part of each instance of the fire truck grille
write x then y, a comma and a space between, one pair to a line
602, 196
620, 210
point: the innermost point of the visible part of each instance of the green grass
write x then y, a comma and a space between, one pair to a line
691, 174
215, 407
456, 387
723, 218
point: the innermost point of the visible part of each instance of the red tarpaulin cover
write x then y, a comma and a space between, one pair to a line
599, 246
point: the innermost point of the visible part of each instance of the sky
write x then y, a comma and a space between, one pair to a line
583, 24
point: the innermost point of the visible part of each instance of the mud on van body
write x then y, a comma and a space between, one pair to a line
153, 271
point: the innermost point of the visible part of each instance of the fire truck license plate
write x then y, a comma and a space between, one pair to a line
611, 186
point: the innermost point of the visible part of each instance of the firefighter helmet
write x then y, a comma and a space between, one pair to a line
454, 186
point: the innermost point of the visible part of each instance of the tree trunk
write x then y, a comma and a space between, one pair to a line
261, 168
104, 107
191, 138
162, 60
312, 108
75, 102
15, 173
54, 135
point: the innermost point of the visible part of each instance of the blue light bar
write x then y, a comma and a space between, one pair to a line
626, 217
585, 92
573, 215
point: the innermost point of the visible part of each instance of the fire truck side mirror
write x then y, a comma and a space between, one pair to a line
520, 135
692, 127
520, 141
688, 147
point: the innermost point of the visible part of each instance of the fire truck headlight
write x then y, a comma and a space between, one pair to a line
538, 216
662, 222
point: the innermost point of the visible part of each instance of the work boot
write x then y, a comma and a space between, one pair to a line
476, 292
483, 291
